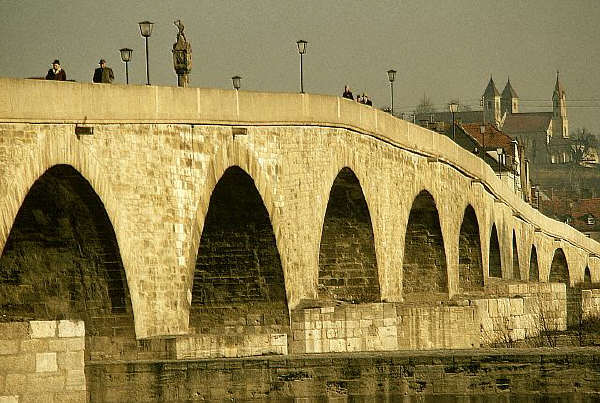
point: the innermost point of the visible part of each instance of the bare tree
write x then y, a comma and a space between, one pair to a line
424, 106
583, 142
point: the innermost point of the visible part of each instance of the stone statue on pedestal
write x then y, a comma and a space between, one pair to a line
182, 56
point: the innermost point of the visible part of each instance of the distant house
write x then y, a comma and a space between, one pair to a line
543, 135
582, 214
502, 152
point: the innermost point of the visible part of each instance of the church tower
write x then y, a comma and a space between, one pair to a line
509, 101
491, 103
560, 123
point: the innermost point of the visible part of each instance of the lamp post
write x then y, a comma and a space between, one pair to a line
392, 76
236, 82
146, 31
453, 108
482, 131
500, 152
302, 50
126, 57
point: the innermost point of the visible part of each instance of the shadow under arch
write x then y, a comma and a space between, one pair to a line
516, 268
425, 274
534, 272
495, 261
347, 259
470, 266
62, 259
559, 273
238, 277
587, 278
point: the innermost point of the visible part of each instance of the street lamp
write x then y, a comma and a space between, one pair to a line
126, 57
453, 108
236, 82
392, 76
500, 152
146, 30
302, 50
482, 131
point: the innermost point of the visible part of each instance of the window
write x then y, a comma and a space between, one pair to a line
591, 220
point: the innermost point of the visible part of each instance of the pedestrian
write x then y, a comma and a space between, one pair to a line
56, 72
359, 99
348, 93
103, 74
367, 100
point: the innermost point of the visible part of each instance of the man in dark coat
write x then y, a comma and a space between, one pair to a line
56, 72
103, 74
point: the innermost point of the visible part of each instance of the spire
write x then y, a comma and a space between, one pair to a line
558, 90
491, 91
509, 91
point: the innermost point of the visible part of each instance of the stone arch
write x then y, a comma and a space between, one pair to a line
425, 273
534, 272
587, 278
470, 266
559, 273
516, 269
559, 269
238, 277
495, 261
62, 258
347, 259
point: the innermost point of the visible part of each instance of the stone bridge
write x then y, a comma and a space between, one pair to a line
187, 211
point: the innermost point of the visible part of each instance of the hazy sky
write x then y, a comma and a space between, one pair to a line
445, 49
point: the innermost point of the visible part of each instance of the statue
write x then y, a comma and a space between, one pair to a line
180, 27
182, 56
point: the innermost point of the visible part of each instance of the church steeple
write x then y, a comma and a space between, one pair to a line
560, 123
491, 104
510, 100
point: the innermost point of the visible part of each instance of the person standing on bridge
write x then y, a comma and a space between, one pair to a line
56, 72
103, 74
348, 93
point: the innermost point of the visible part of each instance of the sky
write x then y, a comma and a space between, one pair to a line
443, 49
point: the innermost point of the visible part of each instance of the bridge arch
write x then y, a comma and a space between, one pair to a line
425, 269
559, 268
238, 271
348, 267
63, 248
516, 267
495, 255
470, 264
534, 272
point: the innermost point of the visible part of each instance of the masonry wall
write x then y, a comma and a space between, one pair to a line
590, 304
42, 361
154, 166
395, 376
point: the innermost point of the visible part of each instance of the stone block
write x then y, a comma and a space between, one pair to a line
46, 383
516, 306
20, 363
75, 380
16, 384
328, 309
9, 399
9, 347
75, 344
35, 345
337, 345
71, 360
56, 345
279, 339
353, 344
493, 307
45, 362
14, 330
71, 328
71, 397
42, 329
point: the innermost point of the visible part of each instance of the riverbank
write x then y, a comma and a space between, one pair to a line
547, 371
